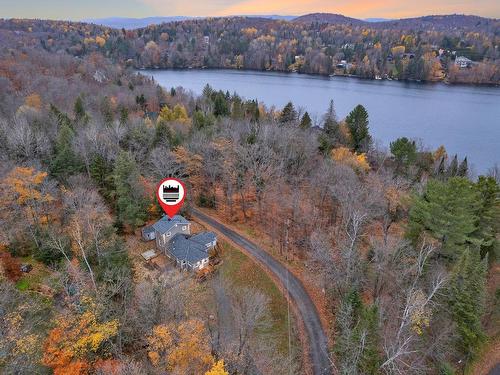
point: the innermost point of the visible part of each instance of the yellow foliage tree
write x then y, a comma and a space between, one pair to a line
74, 338
217, 369
100, 41
33, 101
440, 153
183, 349
398, 50
178, 113
345, 156
23, 186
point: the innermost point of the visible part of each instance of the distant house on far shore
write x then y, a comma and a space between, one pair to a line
173, 238
463, 62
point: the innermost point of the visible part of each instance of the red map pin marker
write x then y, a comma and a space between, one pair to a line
170, 193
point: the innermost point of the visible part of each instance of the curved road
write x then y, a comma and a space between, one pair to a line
318, 348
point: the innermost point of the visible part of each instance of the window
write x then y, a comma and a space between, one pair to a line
169, 234
184, 227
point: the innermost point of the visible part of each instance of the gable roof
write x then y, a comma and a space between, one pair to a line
165, 223
184, 249
204, 238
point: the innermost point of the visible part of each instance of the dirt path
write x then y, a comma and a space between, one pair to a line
318, 347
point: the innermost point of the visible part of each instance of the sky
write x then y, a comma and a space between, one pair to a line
84, 9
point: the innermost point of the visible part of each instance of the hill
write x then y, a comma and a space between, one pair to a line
328, 18
134, 23
137, 23
432, 22
444, 22
423, 49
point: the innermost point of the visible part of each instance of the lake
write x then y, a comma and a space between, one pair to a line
465, 119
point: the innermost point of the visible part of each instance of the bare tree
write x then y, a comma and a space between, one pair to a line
417, 299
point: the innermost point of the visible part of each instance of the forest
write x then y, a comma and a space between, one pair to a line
422, 49
398, 247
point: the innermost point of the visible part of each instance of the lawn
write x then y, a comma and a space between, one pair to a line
243, 271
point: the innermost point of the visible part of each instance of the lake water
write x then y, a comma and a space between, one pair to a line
466, 119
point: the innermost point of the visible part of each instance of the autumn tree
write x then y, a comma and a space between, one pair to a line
217, 369
180, 349
345, 156
77, 339
25, 192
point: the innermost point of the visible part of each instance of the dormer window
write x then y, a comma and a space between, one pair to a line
184, 227
169, 234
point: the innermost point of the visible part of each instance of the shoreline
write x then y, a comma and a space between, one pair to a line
351, 76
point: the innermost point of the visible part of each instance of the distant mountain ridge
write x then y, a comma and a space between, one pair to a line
328, 18
137, 23
439, 22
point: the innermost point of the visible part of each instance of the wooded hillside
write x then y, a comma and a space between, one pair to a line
399, 248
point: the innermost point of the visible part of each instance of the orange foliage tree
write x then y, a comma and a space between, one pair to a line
183, 349
74, 340
23, 195
345, 156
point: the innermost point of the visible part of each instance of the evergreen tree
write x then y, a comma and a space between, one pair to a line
330, 115
79, 111
131, 204
489, 216
370, 360
440, 172
252, 110
453, 167
64, 162
305, 122
61, 117
163, 134
463, 169
221, 107
141, 101
123, 115
466, 300
202, 121
331, 135
207, 91
237, 110
288, 114
404, 151
357, 337
102, 173
357, 122
106, 111
448, 212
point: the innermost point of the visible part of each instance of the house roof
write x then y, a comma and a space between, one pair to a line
148, 229
203, 238
185, 249
165, 223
